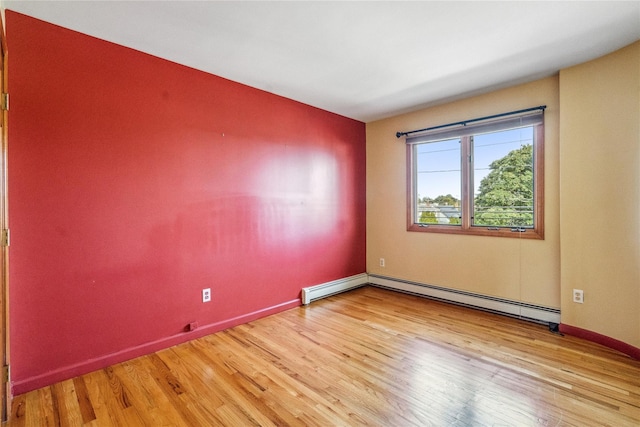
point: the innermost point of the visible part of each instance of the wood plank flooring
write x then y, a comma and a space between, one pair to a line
366, 357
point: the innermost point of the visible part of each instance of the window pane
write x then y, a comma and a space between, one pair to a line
503, 178
438, 182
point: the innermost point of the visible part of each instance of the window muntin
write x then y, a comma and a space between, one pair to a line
512, 206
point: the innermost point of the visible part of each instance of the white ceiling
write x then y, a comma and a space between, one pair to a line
362, 59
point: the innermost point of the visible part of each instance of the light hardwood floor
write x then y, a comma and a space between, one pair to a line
366, 357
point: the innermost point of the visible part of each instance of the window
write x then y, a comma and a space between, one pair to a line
481, 177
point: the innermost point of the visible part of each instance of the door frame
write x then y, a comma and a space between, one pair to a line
5, 394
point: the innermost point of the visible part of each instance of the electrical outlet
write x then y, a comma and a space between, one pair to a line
578, 296
206, 295
381, 262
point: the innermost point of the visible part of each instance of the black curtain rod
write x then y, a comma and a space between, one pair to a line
464, 123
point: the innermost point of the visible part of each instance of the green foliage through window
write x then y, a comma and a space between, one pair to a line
505, 197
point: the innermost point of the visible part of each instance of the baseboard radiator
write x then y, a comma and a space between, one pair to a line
520, 310
531, 312
324, 290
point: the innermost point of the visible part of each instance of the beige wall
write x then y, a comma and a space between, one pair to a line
592, 202
600, 194
521, 270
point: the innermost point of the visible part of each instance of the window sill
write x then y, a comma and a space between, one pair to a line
523, 233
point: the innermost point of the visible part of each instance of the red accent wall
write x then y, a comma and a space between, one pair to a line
135, 182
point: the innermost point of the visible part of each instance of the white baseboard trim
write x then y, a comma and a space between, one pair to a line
323, 290
517, 309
